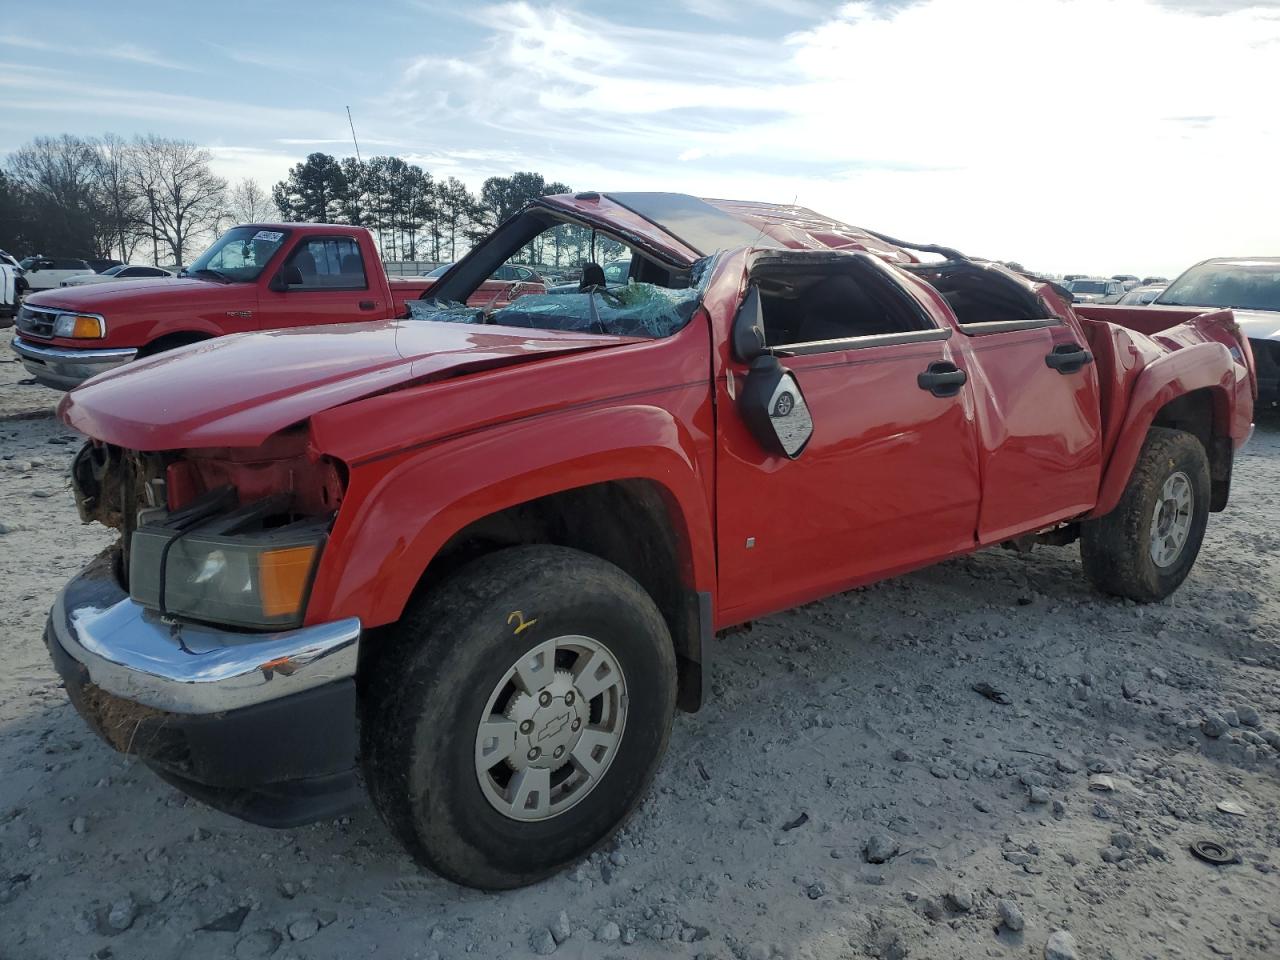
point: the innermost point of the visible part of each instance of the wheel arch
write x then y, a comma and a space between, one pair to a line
173, 339
631, 492
1187, 390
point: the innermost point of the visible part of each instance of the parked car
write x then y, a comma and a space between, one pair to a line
254, 277
120, 271
103, 264
486, 553
1142, 295
45, 273
1127, 281
1095, 291
506, 283
1153, 281
1250, 287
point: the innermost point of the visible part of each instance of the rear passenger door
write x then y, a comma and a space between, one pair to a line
324, 280
889, 478
1038, 414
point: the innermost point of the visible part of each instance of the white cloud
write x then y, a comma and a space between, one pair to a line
128, 52
1091, 134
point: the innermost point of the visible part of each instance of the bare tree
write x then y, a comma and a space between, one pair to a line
122, 209
249, 202
58, 175
184, 197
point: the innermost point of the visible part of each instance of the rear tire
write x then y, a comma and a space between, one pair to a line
1146, 546
473, 651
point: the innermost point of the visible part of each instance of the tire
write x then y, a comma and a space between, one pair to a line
423, 701
1120, 550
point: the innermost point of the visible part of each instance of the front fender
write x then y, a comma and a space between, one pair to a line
1197, 367
399, 511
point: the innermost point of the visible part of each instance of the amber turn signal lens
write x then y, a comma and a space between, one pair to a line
283, 576
87, 328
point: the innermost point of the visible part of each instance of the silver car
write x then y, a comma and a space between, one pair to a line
1250, 286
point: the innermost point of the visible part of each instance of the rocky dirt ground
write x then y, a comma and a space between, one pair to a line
845, 794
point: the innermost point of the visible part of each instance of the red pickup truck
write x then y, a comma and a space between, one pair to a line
254, 277
481, 555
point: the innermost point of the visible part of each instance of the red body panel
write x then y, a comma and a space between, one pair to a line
506, 438
251, 386
439, 425
140, 312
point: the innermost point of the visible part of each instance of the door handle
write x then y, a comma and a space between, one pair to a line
368, 305
942, 378
1068, 358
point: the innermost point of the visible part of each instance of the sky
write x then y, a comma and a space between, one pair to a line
1084, 136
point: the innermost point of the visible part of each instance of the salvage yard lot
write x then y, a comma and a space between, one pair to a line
841, 733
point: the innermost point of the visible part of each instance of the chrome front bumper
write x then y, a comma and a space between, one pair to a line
137, 655
64, 368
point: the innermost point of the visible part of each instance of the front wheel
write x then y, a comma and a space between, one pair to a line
521, 715
1146, 546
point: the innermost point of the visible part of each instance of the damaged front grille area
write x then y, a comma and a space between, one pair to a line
111, 483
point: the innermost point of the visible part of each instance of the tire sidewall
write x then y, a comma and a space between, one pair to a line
463, 835
1164, 580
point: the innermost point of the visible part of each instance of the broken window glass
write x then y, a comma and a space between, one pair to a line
636, 310
444, 311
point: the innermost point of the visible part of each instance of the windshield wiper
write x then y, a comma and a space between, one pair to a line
216, 274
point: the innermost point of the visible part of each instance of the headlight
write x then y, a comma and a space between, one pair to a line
80, 326
235, 569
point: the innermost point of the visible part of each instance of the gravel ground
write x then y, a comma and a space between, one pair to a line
845, 794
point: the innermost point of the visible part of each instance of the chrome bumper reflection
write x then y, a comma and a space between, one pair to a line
180, 667
65, 368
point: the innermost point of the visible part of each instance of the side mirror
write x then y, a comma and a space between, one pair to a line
746, 340
774, 408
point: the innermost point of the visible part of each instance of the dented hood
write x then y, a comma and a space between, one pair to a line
236, 391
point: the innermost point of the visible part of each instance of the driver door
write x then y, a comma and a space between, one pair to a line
888, 480
325, 282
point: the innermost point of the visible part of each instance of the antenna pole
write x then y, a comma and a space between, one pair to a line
352, 124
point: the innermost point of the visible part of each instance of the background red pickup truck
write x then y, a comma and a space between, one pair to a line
255, 277
485, 552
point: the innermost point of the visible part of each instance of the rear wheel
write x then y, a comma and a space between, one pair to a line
1146, 546
521, 715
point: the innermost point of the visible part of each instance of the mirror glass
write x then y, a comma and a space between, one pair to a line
789, 416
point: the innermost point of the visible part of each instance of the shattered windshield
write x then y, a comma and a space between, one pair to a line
635, 310
638, 310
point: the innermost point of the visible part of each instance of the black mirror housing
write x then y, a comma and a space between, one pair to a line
774, 408
746, 340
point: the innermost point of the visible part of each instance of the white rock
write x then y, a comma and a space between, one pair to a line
1060, 946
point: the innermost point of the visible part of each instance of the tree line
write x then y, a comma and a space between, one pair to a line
415, 216
158, 199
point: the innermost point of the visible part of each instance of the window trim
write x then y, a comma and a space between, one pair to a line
303, 241
866, 265
860, 343
988, 327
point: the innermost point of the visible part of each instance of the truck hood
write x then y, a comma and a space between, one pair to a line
1259, 324
101, 297
237, 391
